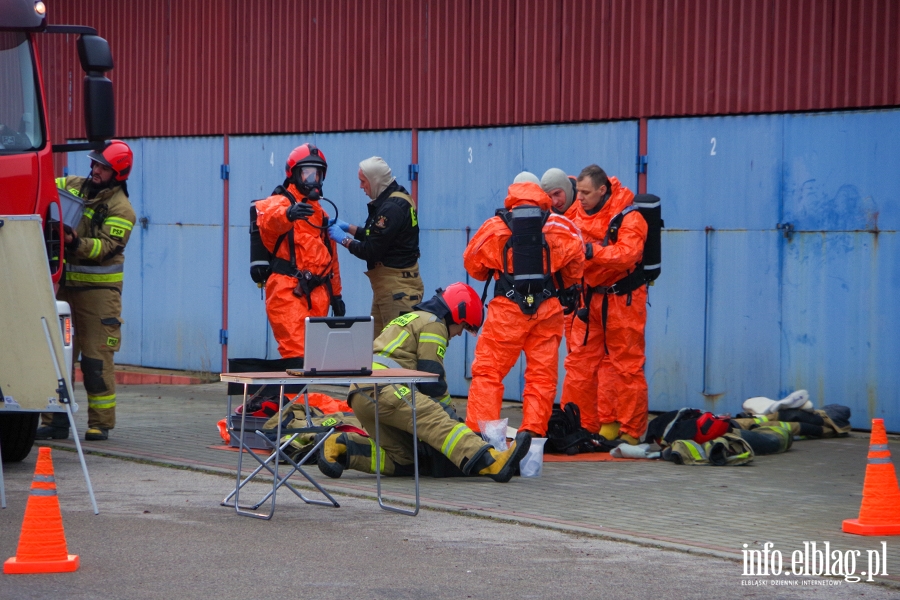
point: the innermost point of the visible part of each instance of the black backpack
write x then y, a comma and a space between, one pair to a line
565, 435
530, 281
646, 271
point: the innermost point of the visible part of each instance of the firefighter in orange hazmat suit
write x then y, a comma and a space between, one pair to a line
305, 277
561, 189
605, 364
531, 320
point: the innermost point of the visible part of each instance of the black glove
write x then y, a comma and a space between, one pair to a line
337, 306
72, 245
299, 210
569, 299
588, 251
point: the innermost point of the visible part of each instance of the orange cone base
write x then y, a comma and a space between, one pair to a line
854, 526
42, 566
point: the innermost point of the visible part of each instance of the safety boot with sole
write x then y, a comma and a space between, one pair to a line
504, 464
49, 432
332, 455
96, 434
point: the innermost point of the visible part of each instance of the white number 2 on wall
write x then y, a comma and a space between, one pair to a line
712, 151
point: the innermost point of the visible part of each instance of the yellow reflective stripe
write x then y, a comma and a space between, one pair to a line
393, 344
61, 182
102, 401
412, 213
95, 278
89, 213
376, 366
445, 401
380, 451
116, 221
95, 249
433, 338
695, 450
453, 438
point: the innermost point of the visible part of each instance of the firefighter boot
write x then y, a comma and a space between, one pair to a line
57, 428
500, 466
96, 434
332, 455
610, 430
628, 439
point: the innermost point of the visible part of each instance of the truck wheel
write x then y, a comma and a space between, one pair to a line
17, 433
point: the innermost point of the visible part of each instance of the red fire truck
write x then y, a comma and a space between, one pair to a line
27, 182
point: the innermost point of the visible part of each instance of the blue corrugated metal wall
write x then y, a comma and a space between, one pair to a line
780, 248
780, 261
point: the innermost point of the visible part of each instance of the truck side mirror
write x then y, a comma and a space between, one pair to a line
94, 54
99, 110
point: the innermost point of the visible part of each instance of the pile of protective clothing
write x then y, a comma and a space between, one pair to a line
693, 437
322, 406
805, 422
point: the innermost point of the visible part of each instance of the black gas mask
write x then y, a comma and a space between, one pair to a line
308, 179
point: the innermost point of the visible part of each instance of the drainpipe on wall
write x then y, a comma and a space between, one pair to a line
223, 334
642, 155
414, 176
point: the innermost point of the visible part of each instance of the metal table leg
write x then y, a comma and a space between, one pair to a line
377, 449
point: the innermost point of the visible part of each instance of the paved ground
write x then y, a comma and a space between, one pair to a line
161, 534
789, 500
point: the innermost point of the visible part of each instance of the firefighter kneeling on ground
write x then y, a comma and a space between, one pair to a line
94, 273
418, 340
305, 277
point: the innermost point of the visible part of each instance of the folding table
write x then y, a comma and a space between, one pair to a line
270, 463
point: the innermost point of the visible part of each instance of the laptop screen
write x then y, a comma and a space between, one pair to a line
338, 345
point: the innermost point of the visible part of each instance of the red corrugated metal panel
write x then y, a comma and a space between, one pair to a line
585, 63
491, 63
866, 53
715, 58
536, 89
803, 55
194, 68
445, 79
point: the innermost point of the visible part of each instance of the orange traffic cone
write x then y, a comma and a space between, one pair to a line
42, 544
879, 513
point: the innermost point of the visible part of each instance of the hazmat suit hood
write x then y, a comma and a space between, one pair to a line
526, 193
378, 174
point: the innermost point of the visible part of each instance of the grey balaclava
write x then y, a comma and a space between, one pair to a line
526, 177
378, 174
556, 178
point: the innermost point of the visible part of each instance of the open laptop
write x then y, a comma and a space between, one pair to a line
337, 346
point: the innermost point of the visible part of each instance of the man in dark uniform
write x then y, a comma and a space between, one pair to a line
388, 242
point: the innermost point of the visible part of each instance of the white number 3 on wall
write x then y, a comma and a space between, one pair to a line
470, 154
712, 151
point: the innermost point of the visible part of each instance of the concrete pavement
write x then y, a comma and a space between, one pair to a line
788, 500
